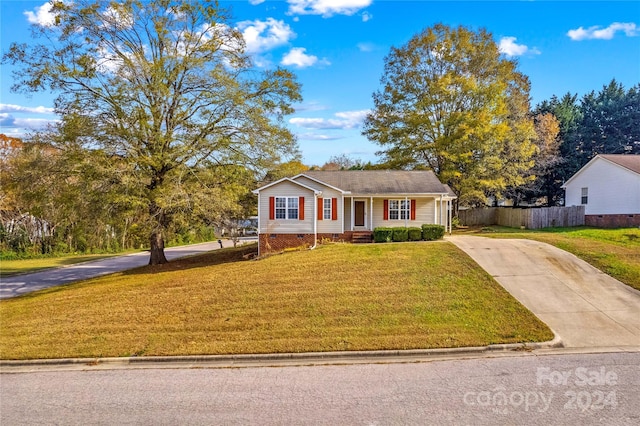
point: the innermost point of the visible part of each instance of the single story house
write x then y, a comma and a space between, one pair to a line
609, 188
347, 205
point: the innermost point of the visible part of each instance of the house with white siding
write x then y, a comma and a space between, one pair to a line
315, 206
608, 187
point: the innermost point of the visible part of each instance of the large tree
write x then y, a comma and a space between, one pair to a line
452, 103
168, 87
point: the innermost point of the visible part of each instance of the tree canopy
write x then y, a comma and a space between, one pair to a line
167, 90
451, 103
603, 122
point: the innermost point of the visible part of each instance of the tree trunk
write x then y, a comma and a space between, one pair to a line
157, 249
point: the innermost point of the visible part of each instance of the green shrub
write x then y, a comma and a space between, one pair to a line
382, 235
400, 234
432, 232
415, 234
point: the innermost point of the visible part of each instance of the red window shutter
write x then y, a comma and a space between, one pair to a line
272, 208
334, 209
385, 214
413, 209
320, 209
301, 208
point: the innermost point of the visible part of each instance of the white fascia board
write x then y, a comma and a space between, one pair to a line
315, 191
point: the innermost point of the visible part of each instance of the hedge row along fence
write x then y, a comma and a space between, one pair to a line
400, 234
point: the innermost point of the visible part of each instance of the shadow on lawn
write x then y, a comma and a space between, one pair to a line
217, 257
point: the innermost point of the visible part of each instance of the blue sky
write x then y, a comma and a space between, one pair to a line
337, 50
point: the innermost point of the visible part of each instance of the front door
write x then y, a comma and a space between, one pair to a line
359, 213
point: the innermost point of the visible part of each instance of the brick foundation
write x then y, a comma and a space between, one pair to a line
612, 220
273, 243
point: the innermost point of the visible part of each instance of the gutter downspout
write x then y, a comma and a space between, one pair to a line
449, 212
315, 222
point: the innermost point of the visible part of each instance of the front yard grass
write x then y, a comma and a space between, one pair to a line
336, 297
615, 252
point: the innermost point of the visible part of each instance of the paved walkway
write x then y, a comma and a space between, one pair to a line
582, 305
22, 284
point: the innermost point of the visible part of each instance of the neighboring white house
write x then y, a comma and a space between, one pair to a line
609, 188
346, 205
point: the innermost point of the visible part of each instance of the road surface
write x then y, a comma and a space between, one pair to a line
22, 284
526, 389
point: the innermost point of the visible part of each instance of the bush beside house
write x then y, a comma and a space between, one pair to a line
415, 234
400, 234
382, 235
432, 232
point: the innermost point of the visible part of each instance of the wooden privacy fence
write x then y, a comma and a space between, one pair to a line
533, 218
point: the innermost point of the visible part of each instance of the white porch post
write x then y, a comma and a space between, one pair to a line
449, 211
353, 215
435, 210
341, 217
406, 200
371, 213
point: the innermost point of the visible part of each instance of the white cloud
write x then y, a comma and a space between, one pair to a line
256, 2
8, 122
366, 16
345, 120
7, 108
326, 8
366, 47
33, 123
41, 15
509, 47
310, 106
116, 16
317, 137
300, 59
630, 29
261, 36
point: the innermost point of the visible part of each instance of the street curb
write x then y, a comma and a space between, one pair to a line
290, 356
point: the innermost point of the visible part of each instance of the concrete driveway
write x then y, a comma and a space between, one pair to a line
582, 305
22, 284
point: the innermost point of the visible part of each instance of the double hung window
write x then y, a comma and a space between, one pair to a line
584, 196
399, 209
287, 208
326, 208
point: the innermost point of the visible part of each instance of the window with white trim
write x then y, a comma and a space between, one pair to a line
286, 207
584, 196
399, 209
326, 208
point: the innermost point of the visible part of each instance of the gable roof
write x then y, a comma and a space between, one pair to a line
286, 179
628, 161
382, 181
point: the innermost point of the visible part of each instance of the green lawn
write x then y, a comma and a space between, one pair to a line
614, 251
336, 297
24, 266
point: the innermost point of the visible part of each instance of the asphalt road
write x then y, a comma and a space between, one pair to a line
527, 389
22, 284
